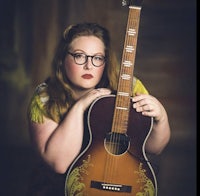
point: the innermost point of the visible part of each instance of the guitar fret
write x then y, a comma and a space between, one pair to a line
131, 32
127, 63
121, 108
123, 94
125, 76
129, 49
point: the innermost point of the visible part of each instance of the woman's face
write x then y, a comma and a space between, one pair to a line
86, 76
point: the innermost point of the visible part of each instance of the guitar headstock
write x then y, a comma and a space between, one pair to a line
132, 2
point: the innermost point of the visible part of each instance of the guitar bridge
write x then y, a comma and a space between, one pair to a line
110, 187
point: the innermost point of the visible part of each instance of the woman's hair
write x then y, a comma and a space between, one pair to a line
59, 88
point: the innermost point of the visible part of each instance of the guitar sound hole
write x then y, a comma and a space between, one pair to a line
116, 143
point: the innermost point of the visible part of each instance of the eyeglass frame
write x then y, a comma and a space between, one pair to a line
86, 58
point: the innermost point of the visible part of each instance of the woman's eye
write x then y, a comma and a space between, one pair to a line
79, 55
99, 58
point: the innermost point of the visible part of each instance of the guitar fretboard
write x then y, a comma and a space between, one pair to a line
125, 84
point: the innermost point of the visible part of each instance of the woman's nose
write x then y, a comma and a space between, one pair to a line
88, 64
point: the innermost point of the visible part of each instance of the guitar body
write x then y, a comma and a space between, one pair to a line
112, 164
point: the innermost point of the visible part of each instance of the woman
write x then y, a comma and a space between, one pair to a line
84, 69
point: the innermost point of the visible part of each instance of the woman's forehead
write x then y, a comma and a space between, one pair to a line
87, 42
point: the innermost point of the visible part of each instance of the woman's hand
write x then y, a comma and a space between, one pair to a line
89, 97
160, 134
148, 106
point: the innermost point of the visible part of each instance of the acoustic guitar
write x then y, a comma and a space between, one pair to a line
114, 162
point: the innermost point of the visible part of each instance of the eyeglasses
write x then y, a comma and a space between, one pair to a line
81, 58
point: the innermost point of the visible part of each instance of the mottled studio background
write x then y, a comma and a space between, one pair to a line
165, 62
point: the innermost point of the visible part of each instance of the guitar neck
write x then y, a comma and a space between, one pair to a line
125, 84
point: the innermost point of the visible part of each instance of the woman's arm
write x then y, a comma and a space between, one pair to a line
59, 144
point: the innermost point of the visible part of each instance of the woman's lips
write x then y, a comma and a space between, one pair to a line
87, 76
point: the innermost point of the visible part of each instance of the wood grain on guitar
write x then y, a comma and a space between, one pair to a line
113, 162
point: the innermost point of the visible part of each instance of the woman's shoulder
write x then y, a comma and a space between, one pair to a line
36, 109
41, 87
42, 91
